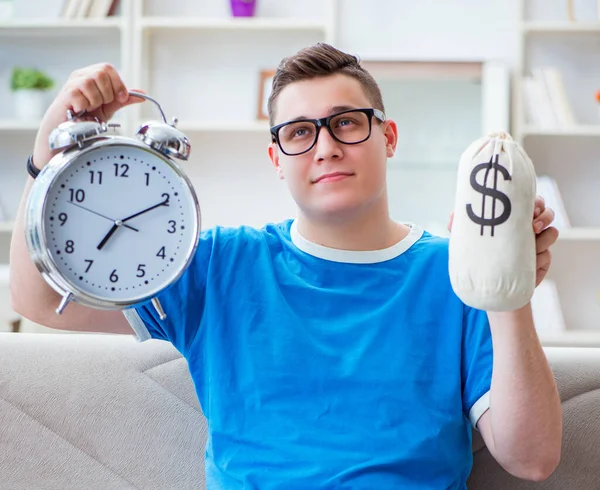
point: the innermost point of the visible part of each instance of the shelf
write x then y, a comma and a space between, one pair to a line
16, 125
579, 234
581, 130
257, 24
561, 27
59, 27
571, 338
6, 226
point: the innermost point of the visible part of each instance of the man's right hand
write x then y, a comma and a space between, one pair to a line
96, 89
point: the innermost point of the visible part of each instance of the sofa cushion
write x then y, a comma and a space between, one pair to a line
97, 411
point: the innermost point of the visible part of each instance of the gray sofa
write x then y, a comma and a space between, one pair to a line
106, 412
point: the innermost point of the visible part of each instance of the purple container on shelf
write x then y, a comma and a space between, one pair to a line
243, 8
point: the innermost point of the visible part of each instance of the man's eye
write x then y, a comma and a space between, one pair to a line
300, 132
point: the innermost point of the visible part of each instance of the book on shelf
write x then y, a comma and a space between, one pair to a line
546, 103
548, 189
547, 311
88, 9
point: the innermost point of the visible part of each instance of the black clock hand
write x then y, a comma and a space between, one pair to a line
162, 203
122, 222
101, 215
109, 234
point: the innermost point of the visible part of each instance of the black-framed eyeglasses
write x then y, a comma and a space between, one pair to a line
349, 127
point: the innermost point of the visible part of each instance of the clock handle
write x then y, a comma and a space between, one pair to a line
71, 116
147, 97
159, 309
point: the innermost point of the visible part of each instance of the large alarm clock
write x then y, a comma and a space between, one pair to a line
111, 221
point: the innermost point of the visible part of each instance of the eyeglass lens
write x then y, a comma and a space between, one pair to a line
349, 127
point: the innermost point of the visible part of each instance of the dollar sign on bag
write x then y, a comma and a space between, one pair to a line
493, 192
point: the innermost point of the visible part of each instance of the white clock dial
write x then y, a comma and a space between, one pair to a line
120, 223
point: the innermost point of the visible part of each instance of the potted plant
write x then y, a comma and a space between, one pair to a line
29, 86
243, 8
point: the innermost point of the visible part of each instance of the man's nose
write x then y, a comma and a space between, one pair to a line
327, 147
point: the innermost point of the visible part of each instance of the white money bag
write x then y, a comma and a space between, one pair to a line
492, 257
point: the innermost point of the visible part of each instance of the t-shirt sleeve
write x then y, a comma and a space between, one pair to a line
477, 362
183, 302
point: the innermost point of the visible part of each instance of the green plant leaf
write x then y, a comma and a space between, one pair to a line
30, 78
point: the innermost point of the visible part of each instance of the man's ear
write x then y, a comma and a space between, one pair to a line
274, 156
390, 133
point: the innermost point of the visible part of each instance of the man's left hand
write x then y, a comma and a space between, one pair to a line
546, 236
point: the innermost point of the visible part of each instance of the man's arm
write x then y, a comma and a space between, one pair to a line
95, 89
32, 298
523, 426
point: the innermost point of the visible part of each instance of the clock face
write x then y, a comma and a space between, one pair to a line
120, 223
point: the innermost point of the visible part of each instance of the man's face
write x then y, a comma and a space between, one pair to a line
359, 169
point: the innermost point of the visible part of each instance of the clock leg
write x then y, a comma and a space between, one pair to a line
159, 309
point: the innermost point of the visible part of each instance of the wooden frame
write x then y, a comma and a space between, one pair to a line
264, 90
571, 10
402, 69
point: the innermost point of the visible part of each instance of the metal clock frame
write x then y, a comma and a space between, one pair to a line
35, 228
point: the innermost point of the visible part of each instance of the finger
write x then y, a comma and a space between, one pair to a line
91, 92
78, 100
539, 206
135, 100
118, 86
105, 87
545, 239
543, 220
451, 221
543, 261
115, 105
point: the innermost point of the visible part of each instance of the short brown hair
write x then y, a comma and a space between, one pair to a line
321, 60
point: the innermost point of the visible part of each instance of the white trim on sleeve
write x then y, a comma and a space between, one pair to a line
137, 324
478, 409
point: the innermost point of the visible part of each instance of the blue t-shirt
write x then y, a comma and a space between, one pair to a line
319, 368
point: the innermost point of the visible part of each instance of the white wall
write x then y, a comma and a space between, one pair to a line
430, 29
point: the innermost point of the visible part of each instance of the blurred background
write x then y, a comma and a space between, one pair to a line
449, 71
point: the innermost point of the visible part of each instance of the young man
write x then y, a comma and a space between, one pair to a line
330, 351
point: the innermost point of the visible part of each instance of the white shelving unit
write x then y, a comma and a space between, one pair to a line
571, 155
200, 63
58, 47
11, 125
44, 27
540, 27
440, 108
579, 130
203, 67
247, 24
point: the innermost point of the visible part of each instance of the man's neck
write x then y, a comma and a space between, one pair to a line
367, 231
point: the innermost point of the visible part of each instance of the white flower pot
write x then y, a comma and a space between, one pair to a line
29, 104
